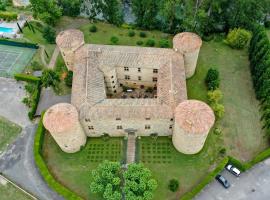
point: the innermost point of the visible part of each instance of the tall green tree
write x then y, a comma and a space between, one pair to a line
46, 10
70, 7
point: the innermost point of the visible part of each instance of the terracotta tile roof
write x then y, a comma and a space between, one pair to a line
187, 42
60, 117
194, 116
71, 38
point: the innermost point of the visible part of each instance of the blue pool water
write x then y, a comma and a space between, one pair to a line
6, 30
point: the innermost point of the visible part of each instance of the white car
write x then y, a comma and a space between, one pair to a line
233, 170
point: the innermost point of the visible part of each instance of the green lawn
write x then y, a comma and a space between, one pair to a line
74, 170
241, 125
106, 31
9, 192
8, 132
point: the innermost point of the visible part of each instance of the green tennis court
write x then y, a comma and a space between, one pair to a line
14, 59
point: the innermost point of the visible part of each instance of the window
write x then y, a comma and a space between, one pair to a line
139, 69
139, 78
119, 127
113, 86
118, 118
154, 79
112, 82
155, 71
171, 126
111, 76
126, 68
91, 127
127, 77
147, 127
148, 118
87, 120
114, 91
171, 119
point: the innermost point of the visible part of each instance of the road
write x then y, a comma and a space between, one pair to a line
251, 185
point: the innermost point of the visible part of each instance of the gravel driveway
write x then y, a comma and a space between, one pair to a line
251, 185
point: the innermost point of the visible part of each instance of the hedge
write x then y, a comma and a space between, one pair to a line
36, 97
19, 44
8, 16
206, 180
27, 78
43, 169
260, 157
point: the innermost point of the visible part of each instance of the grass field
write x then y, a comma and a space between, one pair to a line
14, 59
74, 170
8, 132
9, 192
241, 125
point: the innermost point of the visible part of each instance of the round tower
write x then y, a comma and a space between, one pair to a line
68, 42
193, 121
189, 45
62, 121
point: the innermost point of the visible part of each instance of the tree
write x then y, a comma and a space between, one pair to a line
214, 96
49, 34
212, 79
139, 183
111, 10
107, 180
46, 10
238, 38
173, 185
49, 78
219, 110
69, 78
3, 5
70, 8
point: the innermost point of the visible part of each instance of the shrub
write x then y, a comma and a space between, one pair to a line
93, 29
140, 43
68, 78
131, 33
8, 16
143, 35
49, 34
150, 43
212, 79
267, 24
222, 151
219, 110
164, 43
214, 96
238, 38
50, 78
173, 185
27, 78
36, 66
114, 40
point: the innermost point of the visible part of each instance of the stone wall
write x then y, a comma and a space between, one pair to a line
190, 60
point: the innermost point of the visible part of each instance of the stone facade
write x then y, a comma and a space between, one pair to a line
101, 70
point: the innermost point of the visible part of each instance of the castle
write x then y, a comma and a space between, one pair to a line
101, 72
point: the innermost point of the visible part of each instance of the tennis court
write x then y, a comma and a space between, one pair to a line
14, 59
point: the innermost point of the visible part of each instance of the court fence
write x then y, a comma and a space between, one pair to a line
19, 44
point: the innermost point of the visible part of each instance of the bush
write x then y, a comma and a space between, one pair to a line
212, 79
131, 33
93, 29
27, 78
164, 43
206, 180
143, 35
218, 109
8, 16
267, 24
43, 169
150, 43
214, 96
49, 34
238, 38
114, 40
49, 78
173, 185
69, 78
36, 66
140, 43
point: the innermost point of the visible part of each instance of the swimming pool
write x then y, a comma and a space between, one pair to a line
6, 30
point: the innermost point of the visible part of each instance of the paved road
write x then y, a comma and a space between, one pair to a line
17, 162
252, 185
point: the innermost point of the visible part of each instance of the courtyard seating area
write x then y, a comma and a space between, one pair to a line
136, 93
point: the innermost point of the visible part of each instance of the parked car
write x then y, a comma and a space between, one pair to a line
233, 170
223, 181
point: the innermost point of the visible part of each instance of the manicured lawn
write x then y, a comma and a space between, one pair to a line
74, 170
8, 132
241, 125
167, 163
106, 31
9, 192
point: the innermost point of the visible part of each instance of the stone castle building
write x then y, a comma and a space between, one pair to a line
101, 71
